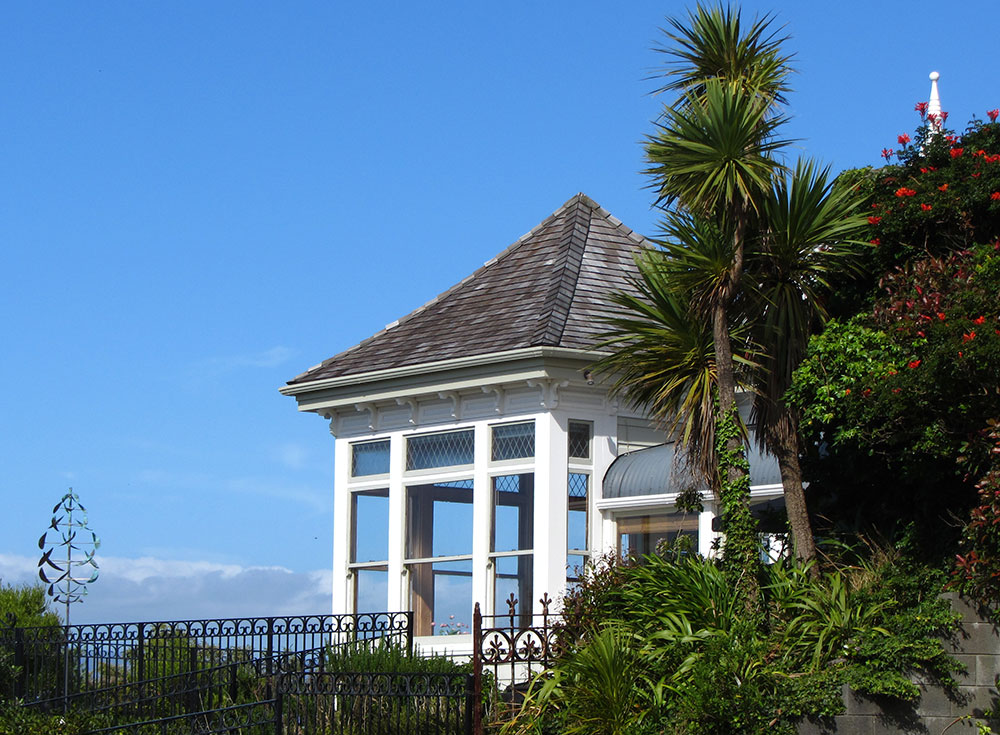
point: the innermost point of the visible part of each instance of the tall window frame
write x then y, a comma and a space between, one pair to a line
580, 498
368, 555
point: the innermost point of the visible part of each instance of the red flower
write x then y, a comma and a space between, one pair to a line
941, 316
923, 170
992, 114
956, 152
913, 364
866, 392
921, 107
920, 333
847, 391
980, 320
975, 175
980, 152
903, 139
887, 153
959, 353
895, 390
968, 337
874, 220
904, 192
995, 195
944, 116
875, 241
925, 207
943, 187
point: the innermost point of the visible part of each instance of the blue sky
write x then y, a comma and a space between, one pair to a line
201, 200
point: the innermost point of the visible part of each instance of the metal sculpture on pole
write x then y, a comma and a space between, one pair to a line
70, 533
69, 526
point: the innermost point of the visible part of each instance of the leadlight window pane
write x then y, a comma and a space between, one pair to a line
513, 441
579, 440
578, 505
439, 519
371, 589
440, 450
370, 458
370, 528
441, 597
513, 512
513, 576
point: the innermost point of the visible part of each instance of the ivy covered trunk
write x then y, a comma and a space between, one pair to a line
741, 550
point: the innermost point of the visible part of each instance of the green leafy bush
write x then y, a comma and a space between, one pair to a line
697, 663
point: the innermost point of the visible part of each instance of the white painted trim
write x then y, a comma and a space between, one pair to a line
457, 363
655, 501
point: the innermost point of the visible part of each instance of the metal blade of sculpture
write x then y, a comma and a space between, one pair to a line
74, 546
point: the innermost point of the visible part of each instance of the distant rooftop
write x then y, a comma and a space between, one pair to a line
547, 289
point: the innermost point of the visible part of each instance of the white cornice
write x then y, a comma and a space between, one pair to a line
458, 363
466, 373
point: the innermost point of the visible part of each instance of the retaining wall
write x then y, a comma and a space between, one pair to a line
977, 646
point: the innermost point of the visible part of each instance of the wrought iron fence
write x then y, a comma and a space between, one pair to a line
251, 718
377, 703
103, 656
508, 651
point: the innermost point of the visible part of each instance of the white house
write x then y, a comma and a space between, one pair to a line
476, 455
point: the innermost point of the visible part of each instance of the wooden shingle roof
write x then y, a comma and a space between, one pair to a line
547, 289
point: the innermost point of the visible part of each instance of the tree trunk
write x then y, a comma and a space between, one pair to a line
803, 545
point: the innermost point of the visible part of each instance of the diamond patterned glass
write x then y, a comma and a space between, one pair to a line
577, 511
579, 440
370, 458
513, 441
440, 450
578, 484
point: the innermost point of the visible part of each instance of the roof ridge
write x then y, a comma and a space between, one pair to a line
579, 197
559, 299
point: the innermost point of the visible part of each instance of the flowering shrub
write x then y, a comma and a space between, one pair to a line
892, 397
941, 193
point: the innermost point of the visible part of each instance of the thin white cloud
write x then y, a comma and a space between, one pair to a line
271, 358
149, 588
291, 455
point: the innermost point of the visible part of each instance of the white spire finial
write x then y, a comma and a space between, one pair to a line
934, 103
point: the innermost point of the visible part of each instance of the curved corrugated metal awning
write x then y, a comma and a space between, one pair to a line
656, 470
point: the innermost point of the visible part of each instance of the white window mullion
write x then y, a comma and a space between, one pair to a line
343, 598
481, 499
398, 591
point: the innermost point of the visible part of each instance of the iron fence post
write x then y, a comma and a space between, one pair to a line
270, 661
477, 671
471, 706
140, 652
279, 712
409, 632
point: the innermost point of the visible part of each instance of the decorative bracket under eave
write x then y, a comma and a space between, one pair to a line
498, 396
334, 418
412, 405
456, 403
550, 390
372, 413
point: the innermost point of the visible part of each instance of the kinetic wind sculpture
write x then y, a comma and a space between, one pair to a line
66, 575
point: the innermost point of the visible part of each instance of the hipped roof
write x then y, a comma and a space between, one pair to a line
549, 288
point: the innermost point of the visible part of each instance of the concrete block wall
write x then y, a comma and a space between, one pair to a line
977, 646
